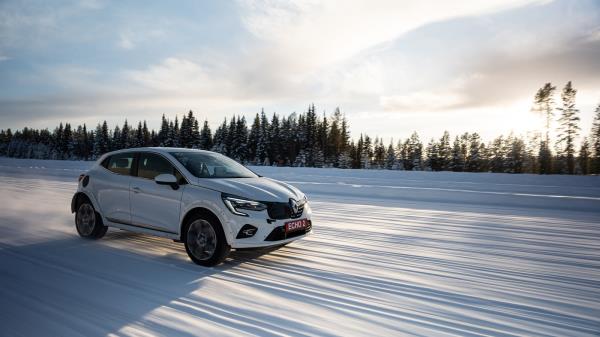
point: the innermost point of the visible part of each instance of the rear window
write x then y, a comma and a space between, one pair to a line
120, 163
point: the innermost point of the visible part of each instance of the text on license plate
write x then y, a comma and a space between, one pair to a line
296, 225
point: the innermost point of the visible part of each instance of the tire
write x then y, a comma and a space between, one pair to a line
205, 241
88, 222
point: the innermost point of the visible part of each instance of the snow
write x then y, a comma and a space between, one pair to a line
393, 253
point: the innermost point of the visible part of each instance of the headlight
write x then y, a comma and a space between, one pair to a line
235, 204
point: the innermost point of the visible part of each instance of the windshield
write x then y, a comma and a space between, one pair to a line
212, 165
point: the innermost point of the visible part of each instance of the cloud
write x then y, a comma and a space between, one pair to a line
125, 42
325, 32
421, 101
181, 76
37, 23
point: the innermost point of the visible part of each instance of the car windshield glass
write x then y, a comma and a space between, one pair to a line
212, 165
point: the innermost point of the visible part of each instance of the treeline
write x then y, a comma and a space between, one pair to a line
307, 139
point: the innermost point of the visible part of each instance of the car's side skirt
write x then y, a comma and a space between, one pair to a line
141, 228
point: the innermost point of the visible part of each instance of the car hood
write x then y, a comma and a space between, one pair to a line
260, 188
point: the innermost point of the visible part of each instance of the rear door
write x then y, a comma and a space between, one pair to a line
155, 206
112, 187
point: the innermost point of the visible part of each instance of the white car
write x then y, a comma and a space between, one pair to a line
206, 200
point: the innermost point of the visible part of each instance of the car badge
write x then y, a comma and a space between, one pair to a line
294, 206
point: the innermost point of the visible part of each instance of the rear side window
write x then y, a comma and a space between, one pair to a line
151, 165
121, 163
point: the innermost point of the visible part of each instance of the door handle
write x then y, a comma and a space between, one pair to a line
136, 189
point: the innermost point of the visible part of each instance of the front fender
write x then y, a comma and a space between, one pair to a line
209, 200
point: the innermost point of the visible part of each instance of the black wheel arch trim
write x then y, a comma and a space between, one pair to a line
199, 210
76, 198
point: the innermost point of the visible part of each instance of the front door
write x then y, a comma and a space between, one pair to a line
154, 206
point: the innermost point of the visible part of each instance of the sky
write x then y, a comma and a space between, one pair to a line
393, 67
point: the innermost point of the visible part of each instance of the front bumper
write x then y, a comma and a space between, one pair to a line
269, 232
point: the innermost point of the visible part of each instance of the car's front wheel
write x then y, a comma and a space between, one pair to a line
205, 241
89, 223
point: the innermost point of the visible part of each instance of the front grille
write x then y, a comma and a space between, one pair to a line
278, 233
282, 210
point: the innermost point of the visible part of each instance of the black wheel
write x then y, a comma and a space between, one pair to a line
88, 222
205, 241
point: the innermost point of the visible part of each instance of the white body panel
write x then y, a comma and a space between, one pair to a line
141, 205
111, 191
155, 206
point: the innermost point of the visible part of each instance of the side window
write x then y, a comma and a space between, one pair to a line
180, 178
150, 165
121, 163
104, 163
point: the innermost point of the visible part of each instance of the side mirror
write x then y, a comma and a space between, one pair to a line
167, 179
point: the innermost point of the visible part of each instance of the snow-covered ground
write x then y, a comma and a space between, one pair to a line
394, 253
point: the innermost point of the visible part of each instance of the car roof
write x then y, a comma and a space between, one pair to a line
158, 149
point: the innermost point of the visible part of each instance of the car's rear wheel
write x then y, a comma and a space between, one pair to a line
205, 241
88, 222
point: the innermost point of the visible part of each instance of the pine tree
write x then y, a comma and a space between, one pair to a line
237, 138
57, 145
220, 138
276, 147
101, 140
344, 160
171, 136
163, 134
310, 134
253, 139
206, 137
415, 152
139, 136
185, 131
474, 158
334, 139
584, 157
515, 154
569, 126
67, 142
431, 152
262, 145
379, 154
497, 155
595, 142
195, 134
97, 152
319, 156
115, 144
321, 145
125, 142
176, 133
229, 139
146, 135
366, 152
345, 141
445, 152
287, 139
87, 144
391, 162
544, 105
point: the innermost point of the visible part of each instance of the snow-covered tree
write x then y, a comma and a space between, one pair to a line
206, 139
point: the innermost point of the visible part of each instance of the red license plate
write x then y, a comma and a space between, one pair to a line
296, 225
